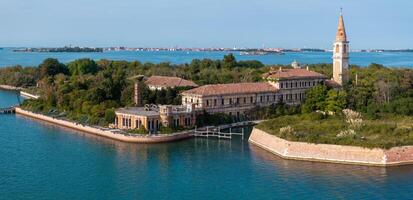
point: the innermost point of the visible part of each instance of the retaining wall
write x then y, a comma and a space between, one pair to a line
332, 153
107, 134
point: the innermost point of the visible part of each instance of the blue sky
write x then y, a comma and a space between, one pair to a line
205, 23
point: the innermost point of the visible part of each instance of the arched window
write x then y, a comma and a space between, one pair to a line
337, 48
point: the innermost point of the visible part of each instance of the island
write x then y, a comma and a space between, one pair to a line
61, 49
329, 112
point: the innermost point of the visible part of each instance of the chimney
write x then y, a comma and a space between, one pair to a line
137, 95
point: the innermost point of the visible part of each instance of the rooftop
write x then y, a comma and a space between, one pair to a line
169, 81
292, 74
142, 111
232, 88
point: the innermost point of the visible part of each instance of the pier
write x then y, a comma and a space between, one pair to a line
217, 131
9, 110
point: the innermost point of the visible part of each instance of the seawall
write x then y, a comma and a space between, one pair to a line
332, 153
106, 133
28, 95
9, 87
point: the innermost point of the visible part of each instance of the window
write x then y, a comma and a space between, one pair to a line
296, 84
268, 98
337, 48
245, 99
207, 102
282, 85
186, 100
260, 98
197, 101
230, 101
222, 101
237, 100
192, 101
252, 99
291, 85
215, 102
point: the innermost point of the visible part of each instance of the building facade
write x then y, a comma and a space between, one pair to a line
152, 117
282, 85
233, 99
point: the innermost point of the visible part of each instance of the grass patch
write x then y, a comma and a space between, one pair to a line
385, 132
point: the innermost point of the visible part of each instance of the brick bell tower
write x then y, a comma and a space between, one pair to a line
341, 54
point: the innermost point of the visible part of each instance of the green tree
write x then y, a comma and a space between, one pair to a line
51, 67
315, 99
229, 61
336, 100
110, 115
83, 66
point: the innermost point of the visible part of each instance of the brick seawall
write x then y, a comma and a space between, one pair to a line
107, 134
332, 153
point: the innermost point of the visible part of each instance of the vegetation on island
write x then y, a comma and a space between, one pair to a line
388, 131
89, 91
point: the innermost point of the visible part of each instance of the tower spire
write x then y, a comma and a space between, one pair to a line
341, 54
341, 30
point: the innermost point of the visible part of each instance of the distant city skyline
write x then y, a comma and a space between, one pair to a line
205, 23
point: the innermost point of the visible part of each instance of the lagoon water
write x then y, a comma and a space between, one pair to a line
10, 58
43, 161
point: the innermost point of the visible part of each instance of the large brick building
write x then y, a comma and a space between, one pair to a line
282, 85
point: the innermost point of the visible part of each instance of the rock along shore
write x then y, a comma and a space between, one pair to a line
332, 153
107, 133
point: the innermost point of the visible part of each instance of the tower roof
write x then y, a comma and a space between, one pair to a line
341, 35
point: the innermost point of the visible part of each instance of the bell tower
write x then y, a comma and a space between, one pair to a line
341, 54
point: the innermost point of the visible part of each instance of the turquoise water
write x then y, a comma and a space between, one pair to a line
42, 161
9, 58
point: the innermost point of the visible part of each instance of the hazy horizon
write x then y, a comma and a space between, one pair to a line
205, 23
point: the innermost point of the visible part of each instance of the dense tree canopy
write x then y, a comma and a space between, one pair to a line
87, 90
51, 67
82, 66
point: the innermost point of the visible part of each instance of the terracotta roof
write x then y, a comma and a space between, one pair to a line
169, 81
332, 83
233, 88
293, 74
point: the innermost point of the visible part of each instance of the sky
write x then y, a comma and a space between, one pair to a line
205, 23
